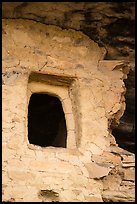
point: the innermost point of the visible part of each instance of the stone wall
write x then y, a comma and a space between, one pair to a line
95, 91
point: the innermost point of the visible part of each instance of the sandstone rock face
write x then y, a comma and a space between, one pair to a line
66, 63
110, 24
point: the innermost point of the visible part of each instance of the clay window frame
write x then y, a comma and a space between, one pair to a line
57, 86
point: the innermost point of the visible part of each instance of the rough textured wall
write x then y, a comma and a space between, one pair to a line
110, 24
84, 173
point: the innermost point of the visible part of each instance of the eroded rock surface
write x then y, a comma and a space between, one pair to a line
110, 24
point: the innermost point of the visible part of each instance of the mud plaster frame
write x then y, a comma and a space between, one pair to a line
62, 92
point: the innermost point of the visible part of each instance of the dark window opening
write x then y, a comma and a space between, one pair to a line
125, 132
46, 121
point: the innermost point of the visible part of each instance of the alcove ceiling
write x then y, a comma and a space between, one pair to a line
110, 24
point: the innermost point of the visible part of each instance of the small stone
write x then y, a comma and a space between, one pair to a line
128, 158
128, 164
97, 171
129, 174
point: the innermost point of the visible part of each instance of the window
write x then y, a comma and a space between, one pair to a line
50, 115
46, 121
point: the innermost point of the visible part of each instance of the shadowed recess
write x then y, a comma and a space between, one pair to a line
46, 121
125, 132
